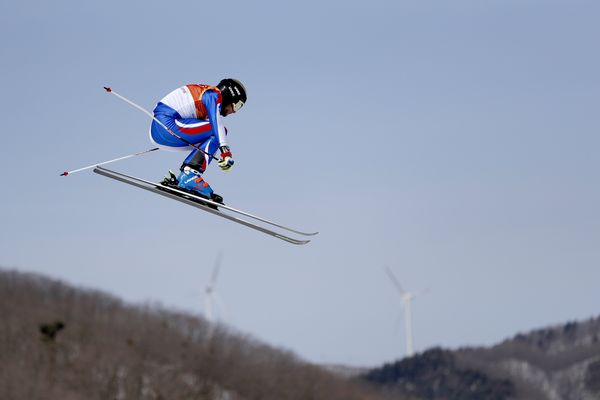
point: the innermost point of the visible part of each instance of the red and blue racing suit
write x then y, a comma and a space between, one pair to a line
192, 112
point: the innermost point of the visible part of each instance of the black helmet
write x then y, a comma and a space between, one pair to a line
233, 92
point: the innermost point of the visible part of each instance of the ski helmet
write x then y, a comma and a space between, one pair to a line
233, 92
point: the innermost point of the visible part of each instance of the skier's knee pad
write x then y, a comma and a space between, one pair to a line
197, 162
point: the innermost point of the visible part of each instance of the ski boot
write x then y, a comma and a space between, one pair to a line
191, 181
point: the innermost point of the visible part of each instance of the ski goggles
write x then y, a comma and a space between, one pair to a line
237, 105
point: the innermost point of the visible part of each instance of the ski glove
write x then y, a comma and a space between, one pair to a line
226, 161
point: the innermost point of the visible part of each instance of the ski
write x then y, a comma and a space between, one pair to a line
193, 200
213, 203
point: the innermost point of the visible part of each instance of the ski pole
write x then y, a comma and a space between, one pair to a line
109, 161
109, 90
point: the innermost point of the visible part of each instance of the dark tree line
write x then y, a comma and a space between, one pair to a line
436, 375
556, 362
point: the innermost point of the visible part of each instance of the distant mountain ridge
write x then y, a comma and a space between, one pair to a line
561, 362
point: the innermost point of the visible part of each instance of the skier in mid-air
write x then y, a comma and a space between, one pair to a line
190, 118
193, 115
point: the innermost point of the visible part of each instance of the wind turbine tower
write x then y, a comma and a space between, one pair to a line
211, 297
407, 298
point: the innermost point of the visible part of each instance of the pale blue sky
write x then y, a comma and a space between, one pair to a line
455, 142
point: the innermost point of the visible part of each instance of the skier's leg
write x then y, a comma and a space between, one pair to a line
199, 160
191, 130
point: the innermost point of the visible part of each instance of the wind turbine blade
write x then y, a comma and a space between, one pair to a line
394, 280
215, 271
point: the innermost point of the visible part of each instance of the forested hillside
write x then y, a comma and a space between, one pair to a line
60, 342
555, 363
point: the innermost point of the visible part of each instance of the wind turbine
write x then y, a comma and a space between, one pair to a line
407, 298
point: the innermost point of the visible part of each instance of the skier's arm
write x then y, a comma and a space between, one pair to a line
212, 105
213, 108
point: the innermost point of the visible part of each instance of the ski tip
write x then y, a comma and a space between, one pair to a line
108, 89
304, 233
64, 173
300, 242
291, 240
